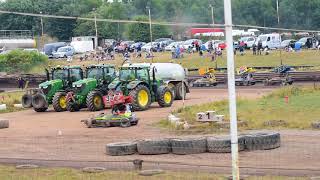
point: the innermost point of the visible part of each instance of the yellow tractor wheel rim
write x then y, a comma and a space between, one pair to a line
63, 102
97, 101
143, 97
167, 97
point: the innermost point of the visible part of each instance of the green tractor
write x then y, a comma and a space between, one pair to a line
89, 92
137, 81
54, 90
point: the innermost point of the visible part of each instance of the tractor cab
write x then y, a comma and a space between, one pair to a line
103, 73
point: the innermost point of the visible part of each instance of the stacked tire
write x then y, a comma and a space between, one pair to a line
196, 145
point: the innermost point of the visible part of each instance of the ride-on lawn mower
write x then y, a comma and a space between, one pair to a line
208, 79
246, 77
121, 114
280, 78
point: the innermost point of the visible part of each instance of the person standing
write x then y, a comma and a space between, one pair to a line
259, 47
20, 83
254, 49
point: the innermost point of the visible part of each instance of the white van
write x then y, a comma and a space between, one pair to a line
271, 41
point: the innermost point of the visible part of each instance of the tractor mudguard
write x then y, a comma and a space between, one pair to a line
133, 84
114, 84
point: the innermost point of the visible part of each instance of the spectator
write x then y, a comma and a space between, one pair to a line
210, 46
177, 53
21, 83
241, 48
259, 47
173, 52
254, 49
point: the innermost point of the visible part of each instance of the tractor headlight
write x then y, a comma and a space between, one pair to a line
44, 87
79, 85
73, 86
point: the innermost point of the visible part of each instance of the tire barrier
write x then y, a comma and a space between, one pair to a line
154, 146
4, 123
196, 145
27, 166
121, 149
223, 144
188, 145
262, 141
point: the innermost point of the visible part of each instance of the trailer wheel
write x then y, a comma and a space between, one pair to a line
39, 103
179, 95
124, 123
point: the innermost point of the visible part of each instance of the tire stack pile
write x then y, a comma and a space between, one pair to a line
195, 145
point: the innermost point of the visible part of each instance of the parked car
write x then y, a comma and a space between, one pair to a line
164, 41
271, 41
48, 49
188, 43
172, 45
147, 47
248, 41
308, 42
135, 45
123, 45
31, 50
288, 43
216, 43
64, 52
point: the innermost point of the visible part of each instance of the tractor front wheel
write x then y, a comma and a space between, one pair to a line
141, 98
59, 102
165, 97
72, 106
95, 101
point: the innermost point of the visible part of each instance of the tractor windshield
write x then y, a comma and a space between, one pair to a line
127, 75
75, 74
96, 73
133, 74
60, 74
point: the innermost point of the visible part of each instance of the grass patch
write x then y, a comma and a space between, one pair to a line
268, 112
11, 98
9, 172
306, 57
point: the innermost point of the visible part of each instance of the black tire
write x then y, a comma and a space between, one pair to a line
26, 101
4, 123
154, 146
135, 95
222, 144
94, 104
124, 123
262, 141
120, 149
163, 92
57, 106
39, 102
188, 145
40, 109
173, 89
72, 106
179, 95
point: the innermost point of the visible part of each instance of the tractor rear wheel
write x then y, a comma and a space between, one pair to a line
141, 98
39, 103
59, 102
179, 91
26, 101
95, 101
72, 106
165, 97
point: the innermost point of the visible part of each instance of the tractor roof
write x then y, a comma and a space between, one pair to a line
138, 65
100, 66
66, 67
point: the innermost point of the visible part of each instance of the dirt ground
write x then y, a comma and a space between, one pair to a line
62, 138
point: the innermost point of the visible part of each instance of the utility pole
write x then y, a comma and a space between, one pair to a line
212, 16
150, 27
41, 21
231, 91
96, 28
278, 12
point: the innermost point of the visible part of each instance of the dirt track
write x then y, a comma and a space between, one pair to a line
36, 136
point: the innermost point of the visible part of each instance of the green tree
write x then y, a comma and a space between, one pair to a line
141, 32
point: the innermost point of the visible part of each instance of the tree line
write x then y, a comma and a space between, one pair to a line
304, 14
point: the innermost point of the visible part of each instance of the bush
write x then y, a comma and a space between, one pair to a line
21, 61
